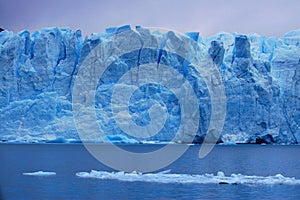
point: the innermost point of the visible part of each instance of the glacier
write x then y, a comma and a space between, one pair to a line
261, 76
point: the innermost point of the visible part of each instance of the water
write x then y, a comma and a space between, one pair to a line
68, 159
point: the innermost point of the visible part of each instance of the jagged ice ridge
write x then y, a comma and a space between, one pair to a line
261, 76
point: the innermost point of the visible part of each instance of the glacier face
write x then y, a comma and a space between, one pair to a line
261, 77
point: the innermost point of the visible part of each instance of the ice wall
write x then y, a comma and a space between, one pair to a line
261, 77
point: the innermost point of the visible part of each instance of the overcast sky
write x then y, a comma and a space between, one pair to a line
267, 17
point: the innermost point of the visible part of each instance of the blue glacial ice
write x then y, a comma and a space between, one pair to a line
261, 76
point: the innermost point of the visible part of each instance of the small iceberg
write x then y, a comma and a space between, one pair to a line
40, 173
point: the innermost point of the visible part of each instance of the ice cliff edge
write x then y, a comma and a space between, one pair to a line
261, 76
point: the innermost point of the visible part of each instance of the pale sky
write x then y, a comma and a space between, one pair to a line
265, 17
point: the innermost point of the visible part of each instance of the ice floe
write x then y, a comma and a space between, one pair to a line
40, 173
167, 177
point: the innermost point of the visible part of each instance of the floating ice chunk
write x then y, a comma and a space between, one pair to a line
166, 177
157, 142
40, 173
220, 174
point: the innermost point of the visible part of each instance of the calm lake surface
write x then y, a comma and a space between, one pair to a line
68, 159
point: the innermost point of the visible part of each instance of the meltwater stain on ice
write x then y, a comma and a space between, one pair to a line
40, 173
166, 177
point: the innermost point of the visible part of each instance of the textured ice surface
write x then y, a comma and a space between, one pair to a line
121, 139
39, 173
167, 177
261, 77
